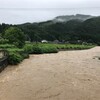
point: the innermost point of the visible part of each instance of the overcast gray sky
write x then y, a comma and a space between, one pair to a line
48, 3
13, 16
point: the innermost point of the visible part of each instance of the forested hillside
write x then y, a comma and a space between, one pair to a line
70, 31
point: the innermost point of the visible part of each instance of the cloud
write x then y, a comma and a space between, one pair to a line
48, 3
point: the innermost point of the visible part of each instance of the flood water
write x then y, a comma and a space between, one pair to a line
67, 75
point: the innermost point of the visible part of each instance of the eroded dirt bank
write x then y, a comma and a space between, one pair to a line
67, 75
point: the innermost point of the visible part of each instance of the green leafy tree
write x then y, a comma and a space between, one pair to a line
15, 36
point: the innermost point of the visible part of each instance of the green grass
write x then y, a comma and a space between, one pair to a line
67, 46
16, 55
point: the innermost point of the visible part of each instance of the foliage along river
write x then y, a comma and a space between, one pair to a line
67, 75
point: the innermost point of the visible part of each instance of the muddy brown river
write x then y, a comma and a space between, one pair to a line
67, 75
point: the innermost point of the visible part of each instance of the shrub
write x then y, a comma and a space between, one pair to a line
16, 55
37, 49
28, 48
14, 58
32, 49
50, 49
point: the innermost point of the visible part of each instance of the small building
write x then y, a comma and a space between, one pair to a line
44, 41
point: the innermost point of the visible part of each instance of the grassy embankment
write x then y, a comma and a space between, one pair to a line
16, 55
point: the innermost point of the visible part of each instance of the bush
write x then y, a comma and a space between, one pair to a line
28, 48
16, 55
32, 49
37, 49
50, 49
14, 58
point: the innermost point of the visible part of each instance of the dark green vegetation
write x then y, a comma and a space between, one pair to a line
71, 31
15, 36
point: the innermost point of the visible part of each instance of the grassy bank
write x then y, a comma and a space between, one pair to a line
16, 55
67, 46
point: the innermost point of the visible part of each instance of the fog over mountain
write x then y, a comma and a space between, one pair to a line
72, 17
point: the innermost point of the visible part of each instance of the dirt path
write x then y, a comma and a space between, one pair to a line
67, 75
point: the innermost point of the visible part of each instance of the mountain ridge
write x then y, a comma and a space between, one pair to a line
65, 18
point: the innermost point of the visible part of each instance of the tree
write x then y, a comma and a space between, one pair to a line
15, 36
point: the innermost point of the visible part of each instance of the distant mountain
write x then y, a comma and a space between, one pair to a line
66, 18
